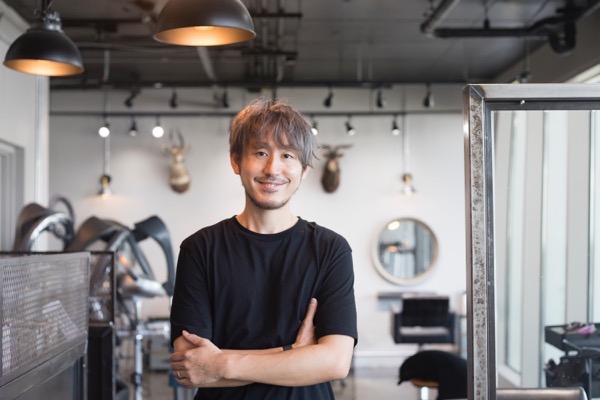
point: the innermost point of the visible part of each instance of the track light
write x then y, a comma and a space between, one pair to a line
204, 23
133, 130
329, 99
349, 128
44, 49
395, 129
314, 128
132, 95
428, 101
380, 101
225, 99
158, 131
104, 130
173, 101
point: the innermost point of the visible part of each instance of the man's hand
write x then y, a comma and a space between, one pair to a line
197, 361
306, 333
198, 366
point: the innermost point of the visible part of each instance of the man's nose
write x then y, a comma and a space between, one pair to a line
273, 166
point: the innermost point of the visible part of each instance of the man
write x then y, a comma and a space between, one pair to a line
264, 301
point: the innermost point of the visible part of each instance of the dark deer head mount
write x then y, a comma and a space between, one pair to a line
179, 177
331, 174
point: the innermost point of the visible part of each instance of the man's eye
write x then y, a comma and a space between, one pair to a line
288, 156
261, 153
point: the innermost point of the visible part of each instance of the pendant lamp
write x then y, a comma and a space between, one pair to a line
204, 23
44, 49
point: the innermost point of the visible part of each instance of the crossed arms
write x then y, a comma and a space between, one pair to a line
197, 362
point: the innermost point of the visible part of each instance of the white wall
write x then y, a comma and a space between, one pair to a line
367, 198
24, 117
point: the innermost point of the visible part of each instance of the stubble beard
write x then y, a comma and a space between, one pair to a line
269, 205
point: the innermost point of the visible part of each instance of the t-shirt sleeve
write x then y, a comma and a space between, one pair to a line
336, 311
190, 307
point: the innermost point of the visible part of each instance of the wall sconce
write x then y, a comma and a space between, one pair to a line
105, 178
44, 49
379, 100
104, 130
408, 188
428, 101
133, 129
204, 23
349, 128
173, 100
158, 131
133, 93
329, 99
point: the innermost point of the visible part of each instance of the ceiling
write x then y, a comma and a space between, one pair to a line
318, 42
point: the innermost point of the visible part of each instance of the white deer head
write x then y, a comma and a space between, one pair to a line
179, 177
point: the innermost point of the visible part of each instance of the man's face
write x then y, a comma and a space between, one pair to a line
270, 174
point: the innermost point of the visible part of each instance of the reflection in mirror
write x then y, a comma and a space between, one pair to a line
533, 186
405, 250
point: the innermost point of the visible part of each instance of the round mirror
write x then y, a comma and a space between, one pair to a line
405, 251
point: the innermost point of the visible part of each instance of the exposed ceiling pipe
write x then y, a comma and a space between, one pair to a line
561, 41
437, 15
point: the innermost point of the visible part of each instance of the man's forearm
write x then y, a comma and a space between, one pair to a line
328, 360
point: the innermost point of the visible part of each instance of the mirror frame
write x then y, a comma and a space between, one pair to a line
404, 281
479, 103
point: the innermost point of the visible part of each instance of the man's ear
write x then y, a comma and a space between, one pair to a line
234, 164
305, 172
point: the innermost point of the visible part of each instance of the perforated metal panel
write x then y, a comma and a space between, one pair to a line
102, 288
44, 308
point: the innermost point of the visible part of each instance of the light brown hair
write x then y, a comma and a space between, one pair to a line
272, 119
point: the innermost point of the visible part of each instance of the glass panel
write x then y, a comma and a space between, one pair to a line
533, 181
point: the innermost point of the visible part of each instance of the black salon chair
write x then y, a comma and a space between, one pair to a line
436, 369
424, 319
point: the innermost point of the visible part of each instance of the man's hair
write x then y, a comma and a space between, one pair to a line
264, 119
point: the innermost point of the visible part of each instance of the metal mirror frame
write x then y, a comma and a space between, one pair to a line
405, 281
479, 103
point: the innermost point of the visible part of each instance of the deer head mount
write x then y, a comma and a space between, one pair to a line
331, 174
179, 177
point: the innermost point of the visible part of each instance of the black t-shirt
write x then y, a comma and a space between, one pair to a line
244, 290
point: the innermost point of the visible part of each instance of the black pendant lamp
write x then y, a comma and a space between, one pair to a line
44, 49
204, 23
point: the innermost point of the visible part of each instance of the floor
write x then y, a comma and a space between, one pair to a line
368, 383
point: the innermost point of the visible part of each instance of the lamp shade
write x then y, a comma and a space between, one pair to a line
44, 49
204, 23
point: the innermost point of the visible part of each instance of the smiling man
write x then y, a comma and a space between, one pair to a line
264, 301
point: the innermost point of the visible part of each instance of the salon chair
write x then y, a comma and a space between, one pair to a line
566, 393
437, 369
34, 219
423, 319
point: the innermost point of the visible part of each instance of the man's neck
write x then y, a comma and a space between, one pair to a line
267, 221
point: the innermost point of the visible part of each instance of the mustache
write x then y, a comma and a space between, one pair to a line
271, 180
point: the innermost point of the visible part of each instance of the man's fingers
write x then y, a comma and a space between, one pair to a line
193, 339
310, 313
